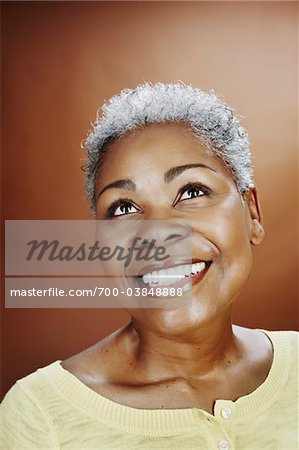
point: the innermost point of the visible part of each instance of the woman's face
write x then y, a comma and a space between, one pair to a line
204, 194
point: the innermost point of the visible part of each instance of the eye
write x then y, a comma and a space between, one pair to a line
121, 208
192, 191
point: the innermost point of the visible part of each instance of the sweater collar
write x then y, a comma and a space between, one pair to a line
172, 421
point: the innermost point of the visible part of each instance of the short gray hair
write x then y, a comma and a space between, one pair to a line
209, 117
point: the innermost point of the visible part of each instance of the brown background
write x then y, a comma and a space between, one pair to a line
61, 59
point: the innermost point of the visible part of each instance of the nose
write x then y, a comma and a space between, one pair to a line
173, 236
163, 232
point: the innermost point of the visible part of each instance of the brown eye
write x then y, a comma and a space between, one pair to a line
192, 190
123, 209
192, 193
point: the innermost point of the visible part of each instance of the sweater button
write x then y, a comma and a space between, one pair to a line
226, 413
223, 445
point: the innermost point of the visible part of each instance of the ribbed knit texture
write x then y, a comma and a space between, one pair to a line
51, 408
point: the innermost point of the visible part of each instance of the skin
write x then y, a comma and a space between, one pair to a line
185, 356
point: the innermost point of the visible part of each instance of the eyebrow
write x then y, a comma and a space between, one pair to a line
176, 171
172, 173
127, 184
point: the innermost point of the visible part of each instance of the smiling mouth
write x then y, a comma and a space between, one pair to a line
175, 276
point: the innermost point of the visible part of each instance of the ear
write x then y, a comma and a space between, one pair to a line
256, 231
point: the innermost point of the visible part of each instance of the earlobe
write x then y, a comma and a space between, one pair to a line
257, 231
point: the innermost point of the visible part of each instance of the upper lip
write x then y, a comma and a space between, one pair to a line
169, 263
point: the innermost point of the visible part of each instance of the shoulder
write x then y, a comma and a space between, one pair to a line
24, 418
288, 338
29, 387
285, 351
264, 345
286, 343
276, 337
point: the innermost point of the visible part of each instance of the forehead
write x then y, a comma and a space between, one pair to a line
156, 148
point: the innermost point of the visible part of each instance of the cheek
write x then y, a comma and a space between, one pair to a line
233, 237
235, 257
225, 231
225, 228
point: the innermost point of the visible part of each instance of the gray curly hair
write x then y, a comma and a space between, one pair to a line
210, 118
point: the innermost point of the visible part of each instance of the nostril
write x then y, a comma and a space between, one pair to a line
148, 243
173, 236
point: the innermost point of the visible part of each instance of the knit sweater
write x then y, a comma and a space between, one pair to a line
51, 408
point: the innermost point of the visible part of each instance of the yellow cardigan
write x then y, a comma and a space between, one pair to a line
51, 408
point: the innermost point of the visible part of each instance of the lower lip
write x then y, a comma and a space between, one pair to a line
185, 284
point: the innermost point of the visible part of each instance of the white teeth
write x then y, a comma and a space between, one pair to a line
166, 277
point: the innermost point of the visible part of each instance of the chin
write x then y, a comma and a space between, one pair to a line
177, 321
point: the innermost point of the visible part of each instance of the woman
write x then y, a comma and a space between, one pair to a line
181, 377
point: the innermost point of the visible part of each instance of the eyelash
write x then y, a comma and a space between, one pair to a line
189, 186
113, 207
127, 201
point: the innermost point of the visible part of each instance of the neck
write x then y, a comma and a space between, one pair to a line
209, 347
